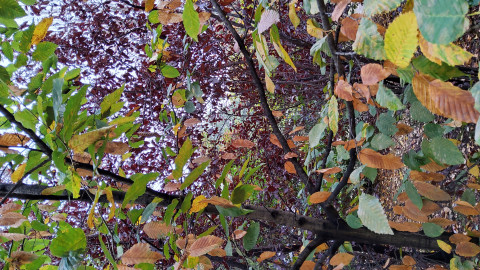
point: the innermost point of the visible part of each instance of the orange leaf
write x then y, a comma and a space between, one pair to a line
339, 8
300, 138
140, 253
239, 234
319, 197
350, 26
433, 167
11, 207
266, 255
361, 91
215, 200
229, 156
430, 191
217, 252
12, 219
413, 213
307, 265
201, 160
353, 144
205, 244
157, 229
359, 106
458, 238
398, 210
296, 129
290, 155
465, 208
277, 113
290, 168
373, 159
373, 73
341, 258
274, 140
403, 129
426, 176
443, 222
344, 90
429, 207
407, 260
405, 226
445, 99
467, 249
242, 143
329, 170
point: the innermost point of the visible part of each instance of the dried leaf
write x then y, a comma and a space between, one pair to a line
242, 143
290, 155
341, 258
373, 159
229, 156
353, 144
413, 213
300, 138
467, 249
339, 8
319, 197
290, 168
373, 73
205, 244
407, 260
12, 219
443, 222
431, 192
274, 140
140, 253
10, 207
296, 129
268, 18
157, 229
429, 207
350, 26
13, 139
13, 236
465, 208
215, 200
265, 255
426, 176
329, 170
344, 90
239, 234
459, 238
191, 122
403, 129
406, 226
201, 160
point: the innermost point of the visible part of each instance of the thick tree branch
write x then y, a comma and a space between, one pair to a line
263, 99
306, 251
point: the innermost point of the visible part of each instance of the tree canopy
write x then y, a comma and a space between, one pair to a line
229, 134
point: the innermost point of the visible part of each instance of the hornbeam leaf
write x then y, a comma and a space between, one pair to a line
183, 156
250, 239
386, 98
292, 14
191, 20
372, 7
434, 15
449, 53
374, 159
368, 41
78, 143
372, 215
401, 39
333, 114
41, 30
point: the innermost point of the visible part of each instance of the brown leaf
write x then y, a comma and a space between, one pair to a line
114, 148
429, 207
13, 236
300, 138
307, 265
433, 167
465, 208
362, 91
405, 226
47, 207
426, 176
157, 229
172, 186
458, 238
290, 155
275, 141
19, 258
239, 234
229, 156
373, 73
242, 143
215, 200
191, 122
341, 258
335, 143
339, 8
290, 168
53, 190
10, 207
277, 113
319, 197
431, 192
467, 249
398, 210
217, 252
353, 144
265, 255
350, 26
359, 106
403, 129
182, 242
344, 90
445, 99
373, 159
399, 267
12, 219
205, 244
329, 170
201, 160
407, 260
13, 139
291, 144
296, 129
140, 253
59, 217
412, 212
443, 222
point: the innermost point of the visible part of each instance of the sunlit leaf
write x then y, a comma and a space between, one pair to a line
372, 215
401, 39
140, 253
41, 30
265, 255
369, 42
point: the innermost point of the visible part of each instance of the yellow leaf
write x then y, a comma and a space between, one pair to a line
444, 246
313, 30
474, 171
270, 84
78, 143
281, 51
292, 14
198, 205
401, 39
108, 192
18, 173
449, 53
92, 209
41, 30
149, 5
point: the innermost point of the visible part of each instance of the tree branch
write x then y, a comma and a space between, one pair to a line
306, 251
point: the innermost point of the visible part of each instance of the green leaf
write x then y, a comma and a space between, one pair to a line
373, 7
72, 239
148, 211
316, 133
386, 124
107, 252
372, 215
4, 75
183, 156
226, 169
420, 113
443, 72
477, 132
401, 39
109, 101
250, 239
138, 187
369, 42
7, 50
10, 9
57, 99
44, 50
370, 173
232, 211
333, 114
169, 71
353, 221
241, 193
446, 152
71, 112
275, 37
191, 20
432, 230
434, 15
386, 98
413, 194
381, 141
27, 119
194, 175
186, 203
433, 130
134, 215
475, 90
170, 211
